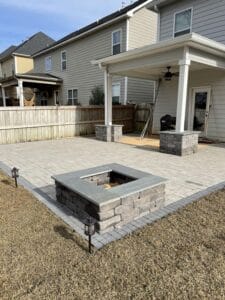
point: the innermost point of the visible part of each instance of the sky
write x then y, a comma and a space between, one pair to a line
20, 19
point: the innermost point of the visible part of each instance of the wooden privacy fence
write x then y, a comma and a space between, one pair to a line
143, 112
24, 124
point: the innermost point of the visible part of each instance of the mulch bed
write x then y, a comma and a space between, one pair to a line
179, 257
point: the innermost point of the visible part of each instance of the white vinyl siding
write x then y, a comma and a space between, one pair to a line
48, 63
116, 42
72, 97
182, 22
63, 60
208, 18
167, 101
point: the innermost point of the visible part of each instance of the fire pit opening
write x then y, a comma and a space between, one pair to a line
109, 180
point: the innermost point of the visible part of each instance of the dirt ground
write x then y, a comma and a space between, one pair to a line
179, 257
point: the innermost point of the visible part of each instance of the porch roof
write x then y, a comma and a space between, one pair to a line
40, 78
149, 62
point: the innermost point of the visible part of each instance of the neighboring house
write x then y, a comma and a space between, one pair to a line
187, 62
19, 85
70, 58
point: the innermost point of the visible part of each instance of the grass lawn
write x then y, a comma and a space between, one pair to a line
179, 257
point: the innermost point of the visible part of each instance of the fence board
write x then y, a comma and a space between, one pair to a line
23, 124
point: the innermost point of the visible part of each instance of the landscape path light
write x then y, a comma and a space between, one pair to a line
15, 175
89, 229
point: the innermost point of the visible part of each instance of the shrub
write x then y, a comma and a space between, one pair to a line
97, 96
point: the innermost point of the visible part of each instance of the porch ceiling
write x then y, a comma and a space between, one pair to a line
150, 62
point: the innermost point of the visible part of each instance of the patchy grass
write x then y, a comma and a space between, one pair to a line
179, 257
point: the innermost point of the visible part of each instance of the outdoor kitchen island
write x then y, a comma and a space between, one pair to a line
113, 195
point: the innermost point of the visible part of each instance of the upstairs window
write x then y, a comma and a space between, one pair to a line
116, 42
63, 60
116, 93
48, 63
182, 22
72, 97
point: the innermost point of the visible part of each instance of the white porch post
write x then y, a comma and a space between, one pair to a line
21, 98
182, 94
3, 96
108, 98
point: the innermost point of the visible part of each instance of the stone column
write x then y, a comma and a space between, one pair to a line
21, 98
182, 94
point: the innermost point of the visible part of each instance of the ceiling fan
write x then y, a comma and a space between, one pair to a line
168, 75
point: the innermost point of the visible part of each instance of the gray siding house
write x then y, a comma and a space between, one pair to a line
70, 58
187, 63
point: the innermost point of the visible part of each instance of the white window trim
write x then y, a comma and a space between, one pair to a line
174, 20
47, 57
72, 89
117, 83
121, 32
62, 60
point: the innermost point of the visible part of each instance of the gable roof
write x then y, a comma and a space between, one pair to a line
7, 52
35, 43
109, 18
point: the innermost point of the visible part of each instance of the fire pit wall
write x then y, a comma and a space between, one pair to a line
122, 208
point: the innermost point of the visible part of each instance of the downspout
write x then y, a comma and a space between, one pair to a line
127, 48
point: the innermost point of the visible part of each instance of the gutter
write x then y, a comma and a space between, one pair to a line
83, 34
127, 15
188, 40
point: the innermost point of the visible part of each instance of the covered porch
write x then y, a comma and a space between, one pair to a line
30, 89
193, 60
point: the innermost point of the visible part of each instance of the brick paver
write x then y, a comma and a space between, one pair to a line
188, 177
38, 161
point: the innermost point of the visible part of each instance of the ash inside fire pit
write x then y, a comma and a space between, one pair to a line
109, 180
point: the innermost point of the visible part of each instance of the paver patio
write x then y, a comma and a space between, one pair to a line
38, 161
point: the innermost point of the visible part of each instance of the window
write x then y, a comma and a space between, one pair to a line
182, 22
73, 97
63, 60
116, 93
116, 42
48, 63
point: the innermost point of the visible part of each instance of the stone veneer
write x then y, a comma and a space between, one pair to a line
109, 133
115, 207
181, 144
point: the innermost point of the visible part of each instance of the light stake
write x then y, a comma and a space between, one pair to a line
15, 175
89, 229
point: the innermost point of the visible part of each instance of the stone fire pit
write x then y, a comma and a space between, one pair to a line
112, 194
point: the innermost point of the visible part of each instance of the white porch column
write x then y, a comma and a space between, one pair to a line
182, 94
21, 98
108, 98
3, 96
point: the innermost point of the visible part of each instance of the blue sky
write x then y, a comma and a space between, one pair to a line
22, 18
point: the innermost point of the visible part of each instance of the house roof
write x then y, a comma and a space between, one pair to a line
109, 18
39, 76
157, 4
35, 43
7, 52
